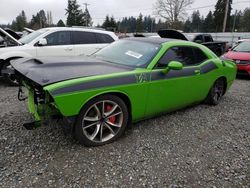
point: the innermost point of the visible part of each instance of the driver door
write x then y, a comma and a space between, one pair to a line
58, 44
177, 88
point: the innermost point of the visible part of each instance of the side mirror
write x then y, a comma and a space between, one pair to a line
42, 42
173, 65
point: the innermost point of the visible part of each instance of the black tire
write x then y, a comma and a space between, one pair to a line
91, 125
11, 79
216, 92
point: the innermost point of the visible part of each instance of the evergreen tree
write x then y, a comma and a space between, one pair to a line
42, 18
39, 20
161, 25
219, 14
245, 20
148, 24
208, 25
87, 20
187, 26
20, 22
110, 23
238, 24
106, 22
139, 23
60, 23
75, 14
196, 21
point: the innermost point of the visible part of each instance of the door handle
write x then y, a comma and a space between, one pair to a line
197, 72
68, 49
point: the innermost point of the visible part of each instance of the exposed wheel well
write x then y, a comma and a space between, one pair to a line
225, 83
11, 58
3, 61
124, 98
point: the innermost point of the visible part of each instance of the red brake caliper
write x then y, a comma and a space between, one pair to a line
113, 118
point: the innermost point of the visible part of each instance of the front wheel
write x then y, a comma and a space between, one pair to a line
216, 92
101, 121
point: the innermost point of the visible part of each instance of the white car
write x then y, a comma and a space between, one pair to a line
56, 41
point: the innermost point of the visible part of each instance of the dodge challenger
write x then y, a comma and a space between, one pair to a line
128, 81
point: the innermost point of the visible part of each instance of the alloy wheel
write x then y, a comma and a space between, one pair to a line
102, 121
218, 90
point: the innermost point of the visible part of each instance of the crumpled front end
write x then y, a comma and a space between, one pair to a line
40, 104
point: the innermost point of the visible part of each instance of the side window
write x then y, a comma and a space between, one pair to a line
188, 56
184, 55
208, 38
81, 37
104, 38
59, 38
198, 38
199, 55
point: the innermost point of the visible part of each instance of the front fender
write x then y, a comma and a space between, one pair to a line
8, 55
69, 107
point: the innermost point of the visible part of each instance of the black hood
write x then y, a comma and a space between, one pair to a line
45, 71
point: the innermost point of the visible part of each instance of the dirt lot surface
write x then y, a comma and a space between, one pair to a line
202, 146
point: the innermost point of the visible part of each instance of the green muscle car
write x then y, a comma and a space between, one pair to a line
128, 81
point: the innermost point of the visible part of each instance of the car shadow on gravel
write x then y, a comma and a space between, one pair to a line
242, 77
4, 83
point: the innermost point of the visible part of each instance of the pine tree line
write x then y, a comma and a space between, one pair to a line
212, 22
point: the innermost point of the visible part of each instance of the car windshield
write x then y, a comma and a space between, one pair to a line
130, 53
30, 37
242, 47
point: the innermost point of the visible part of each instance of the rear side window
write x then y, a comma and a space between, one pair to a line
199, 55
81, 37
188, 56
104, 38
208, 38
59, 38
198, 38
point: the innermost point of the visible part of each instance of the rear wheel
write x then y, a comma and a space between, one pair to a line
101, 121
216, 92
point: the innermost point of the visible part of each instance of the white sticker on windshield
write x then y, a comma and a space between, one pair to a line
134, 54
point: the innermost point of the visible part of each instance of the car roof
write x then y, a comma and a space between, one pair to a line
96, 30
152, 40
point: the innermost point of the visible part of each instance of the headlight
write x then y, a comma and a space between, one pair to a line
224, 58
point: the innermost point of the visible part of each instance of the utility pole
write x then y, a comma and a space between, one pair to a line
225, 17
86, 7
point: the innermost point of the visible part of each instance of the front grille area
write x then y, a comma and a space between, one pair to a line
242, 72
242, 62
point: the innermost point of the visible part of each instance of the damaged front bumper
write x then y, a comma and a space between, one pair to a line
40, 105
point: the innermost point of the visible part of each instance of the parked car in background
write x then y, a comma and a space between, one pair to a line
130, 80
241, 40
240, 54
217, 47
56, 41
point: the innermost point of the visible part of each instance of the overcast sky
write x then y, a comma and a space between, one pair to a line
98, 9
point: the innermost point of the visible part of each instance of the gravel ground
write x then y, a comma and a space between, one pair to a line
202, 146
